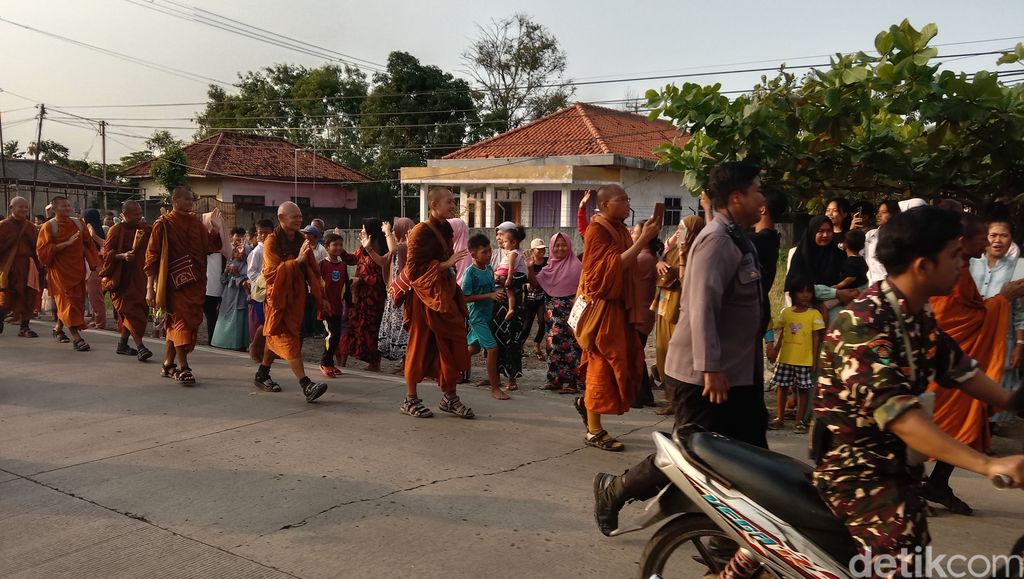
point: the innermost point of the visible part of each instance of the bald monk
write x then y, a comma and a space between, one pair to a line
435, 311
289, 267
19, 268
613, 357
176, 279
64, 246
123, 259
979, 326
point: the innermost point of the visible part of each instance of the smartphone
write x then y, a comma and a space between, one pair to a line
659, 213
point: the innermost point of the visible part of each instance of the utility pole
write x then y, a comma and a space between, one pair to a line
35, 166
103, 154
3, 164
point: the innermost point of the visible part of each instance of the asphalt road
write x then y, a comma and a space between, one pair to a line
109, 470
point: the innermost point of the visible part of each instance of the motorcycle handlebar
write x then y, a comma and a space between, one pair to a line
1002, 481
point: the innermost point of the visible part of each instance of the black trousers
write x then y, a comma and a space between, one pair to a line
742, 416
211, 308
534, 310
333, 326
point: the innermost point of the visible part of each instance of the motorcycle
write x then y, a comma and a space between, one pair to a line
726, 493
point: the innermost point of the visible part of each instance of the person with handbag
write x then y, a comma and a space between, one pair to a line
19, 272
122, 275
435, 310
613, 357
64, 247
176, 277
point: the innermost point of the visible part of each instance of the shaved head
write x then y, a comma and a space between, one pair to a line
182, 199
613, 202
287, 208
19, 208
289, 216
131, 212
441, 202
609, 192
179, 192
130, 205
437, 193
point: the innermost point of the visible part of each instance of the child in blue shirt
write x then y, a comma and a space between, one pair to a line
478, 287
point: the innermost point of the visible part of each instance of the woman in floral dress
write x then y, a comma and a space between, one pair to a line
559, 279
394, 339
368, 297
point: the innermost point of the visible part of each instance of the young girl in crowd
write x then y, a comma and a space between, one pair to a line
798, 334
508, 318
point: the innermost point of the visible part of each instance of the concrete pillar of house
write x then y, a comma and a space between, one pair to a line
424, 206
489, 207
566, 215
464, 204
478, 206
526, 208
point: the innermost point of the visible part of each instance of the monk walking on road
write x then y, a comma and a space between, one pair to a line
613, 357
289, 266
64, 246
123, 276
176, 277
435, 310
19, 270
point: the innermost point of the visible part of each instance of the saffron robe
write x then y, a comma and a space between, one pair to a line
613, 361
979, 326
129, 291
21, 295
435, 309
287, 280
185, 235
65, 268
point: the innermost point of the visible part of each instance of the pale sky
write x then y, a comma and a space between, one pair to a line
602, 39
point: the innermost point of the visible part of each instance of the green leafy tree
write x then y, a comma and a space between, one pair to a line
135, 158
10, 150
415, 112
516, 60
50, 151
161, 141
171, 169
891, 125
321, 105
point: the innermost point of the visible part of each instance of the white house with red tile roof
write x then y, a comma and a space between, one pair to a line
536, 174
258, 171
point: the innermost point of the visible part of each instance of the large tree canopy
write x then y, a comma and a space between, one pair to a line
891, 125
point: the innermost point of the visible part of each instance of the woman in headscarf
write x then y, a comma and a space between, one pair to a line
817, 258
394, 338
559, 279
671, 270
92, 287
460, 242
368, 296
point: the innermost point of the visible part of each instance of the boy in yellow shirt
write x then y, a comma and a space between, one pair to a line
799, 331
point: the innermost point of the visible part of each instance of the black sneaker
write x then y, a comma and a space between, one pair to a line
314, 390
126, 350
266, 383
608, 502
144, 353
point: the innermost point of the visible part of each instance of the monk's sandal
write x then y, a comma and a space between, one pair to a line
414, 407
455, 406
604, 441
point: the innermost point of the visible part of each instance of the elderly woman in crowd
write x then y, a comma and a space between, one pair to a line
394, 338
559, 279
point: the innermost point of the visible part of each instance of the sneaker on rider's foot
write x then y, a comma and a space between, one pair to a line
313, 390
946, 498
608, 502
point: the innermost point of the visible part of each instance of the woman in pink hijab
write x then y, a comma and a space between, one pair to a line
559, 279
461, 241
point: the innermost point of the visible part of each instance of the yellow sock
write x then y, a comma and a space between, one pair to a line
593, 422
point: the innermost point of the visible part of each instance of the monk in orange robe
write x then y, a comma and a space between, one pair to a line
435, 311
19, 268
176, 277
122, 272
289, 267
64, 246
613, 357
979, 326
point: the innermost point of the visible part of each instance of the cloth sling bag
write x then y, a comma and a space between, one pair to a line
586, 310
400, 286
5, 269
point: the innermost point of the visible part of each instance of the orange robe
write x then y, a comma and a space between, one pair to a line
65, 268
129, 292
435, 309
613, 360
287, 280
185, 235
20, 296
979, 326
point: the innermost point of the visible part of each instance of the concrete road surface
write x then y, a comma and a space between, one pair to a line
109, 470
